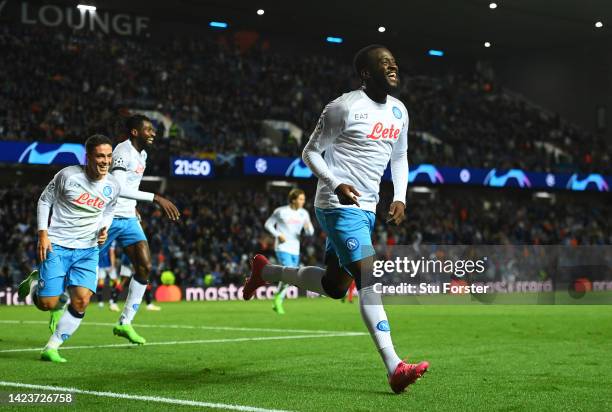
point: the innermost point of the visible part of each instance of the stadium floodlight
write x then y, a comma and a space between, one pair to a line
331, 39
437, 53
420, 189
85, 7
598, 24
260, 12
492, 6
382, 29
487, 44
543, 195
218, 24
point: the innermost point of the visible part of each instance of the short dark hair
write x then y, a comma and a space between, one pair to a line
135, 122
96, 140
360, 61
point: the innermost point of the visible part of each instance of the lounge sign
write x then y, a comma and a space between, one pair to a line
51, 15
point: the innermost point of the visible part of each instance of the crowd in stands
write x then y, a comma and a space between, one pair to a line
220, 230
64, 86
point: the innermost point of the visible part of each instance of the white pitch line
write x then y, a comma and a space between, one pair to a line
157, 399
226, 328
195, 342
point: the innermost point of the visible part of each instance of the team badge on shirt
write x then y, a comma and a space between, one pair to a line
397, 112
107, 191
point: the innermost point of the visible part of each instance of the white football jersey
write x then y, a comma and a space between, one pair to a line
359, 136
79, 206
127, 158
289, 222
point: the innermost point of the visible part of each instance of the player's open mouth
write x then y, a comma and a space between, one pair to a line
392, 76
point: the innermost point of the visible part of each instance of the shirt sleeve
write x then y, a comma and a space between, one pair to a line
109, 211
121, 175
330, 125
399, 165
271, 222
120, 160
308, 227
47, 199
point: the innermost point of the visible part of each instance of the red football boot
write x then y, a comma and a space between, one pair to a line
255, 280
406, 374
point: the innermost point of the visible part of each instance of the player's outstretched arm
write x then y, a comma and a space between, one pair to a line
270, 226
107, 219
329, 127
399, 176
121, 175
43, 211
167, 206
308, 227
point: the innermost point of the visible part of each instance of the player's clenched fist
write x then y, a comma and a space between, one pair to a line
102, 236
396, 213
347, 194
44, 245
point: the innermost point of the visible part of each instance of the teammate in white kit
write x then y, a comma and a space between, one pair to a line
359, 132
83, 202
129, 163
286, 225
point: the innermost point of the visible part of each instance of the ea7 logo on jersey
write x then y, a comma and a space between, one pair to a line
381, 132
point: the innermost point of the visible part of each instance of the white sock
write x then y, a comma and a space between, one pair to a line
67, 325
282, 290
305, 277
375, 318
134, 297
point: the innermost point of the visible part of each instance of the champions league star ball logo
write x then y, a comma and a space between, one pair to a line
397, 112
261, 165
107, 191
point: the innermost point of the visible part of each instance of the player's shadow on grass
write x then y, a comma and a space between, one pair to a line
176, 378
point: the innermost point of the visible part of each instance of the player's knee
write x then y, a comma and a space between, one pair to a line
79, 302
333, 289
337, 293
142, 271
46, 303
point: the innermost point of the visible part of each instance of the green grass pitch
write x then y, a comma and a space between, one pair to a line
489, 358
